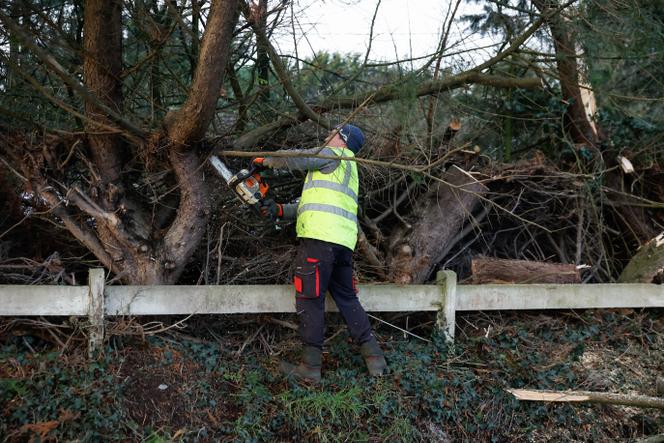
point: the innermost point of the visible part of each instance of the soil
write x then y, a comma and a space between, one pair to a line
159, 390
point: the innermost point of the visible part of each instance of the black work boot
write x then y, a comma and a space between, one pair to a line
309, 368
374, 357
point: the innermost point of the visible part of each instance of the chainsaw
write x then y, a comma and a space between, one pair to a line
246, 184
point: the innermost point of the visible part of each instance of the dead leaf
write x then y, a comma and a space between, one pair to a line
41, 429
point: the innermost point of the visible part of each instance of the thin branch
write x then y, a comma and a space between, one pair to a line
398, 328
59, 103
281, 71
371, 30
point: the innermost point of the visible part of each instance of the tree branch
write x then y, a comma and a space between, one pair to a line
190, 122
390, 92
281, 71
81, 233
640, 401
386, 94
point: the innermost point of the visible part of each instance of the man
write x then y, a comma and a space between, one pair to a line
327, 232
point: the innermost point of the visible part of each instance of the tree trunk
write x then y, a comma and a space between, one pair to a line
581, 107
186, 127
102, 68
578, 123
123, 237
440, 214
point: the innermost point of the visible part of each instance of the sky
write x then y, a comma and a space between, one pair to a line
402, 29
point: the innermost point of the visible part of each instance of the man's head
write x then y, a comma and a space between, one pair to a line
349, 135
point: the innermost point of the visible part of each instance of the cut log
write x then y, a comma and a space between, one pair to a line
647, 263
496, 270
640, 401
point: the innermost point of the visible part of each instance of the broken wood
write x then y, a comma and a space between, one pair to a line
646, 264
451, 131
497, 270
640, 401
437, 217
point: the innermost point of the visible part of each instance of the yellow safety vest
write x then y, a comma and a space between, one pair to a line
328, 207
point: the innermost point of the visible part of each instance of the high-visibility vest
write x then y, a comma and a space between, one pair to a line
328, 207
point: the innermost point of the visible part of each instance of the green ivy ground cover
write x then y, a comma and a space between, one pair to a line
165, 389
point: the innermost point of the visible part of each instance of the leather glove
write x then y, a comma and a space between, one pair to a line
268, 208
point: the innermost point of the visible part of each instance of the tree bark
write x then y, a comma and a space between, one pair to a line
496, 270
102, 67
440, 214
188, 124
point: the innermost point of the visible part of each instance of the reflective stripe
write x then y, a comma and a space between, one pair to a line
347, 174
330, 185
327, 208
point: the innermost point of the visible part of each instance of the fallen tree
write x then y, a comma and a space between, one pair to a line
437, 218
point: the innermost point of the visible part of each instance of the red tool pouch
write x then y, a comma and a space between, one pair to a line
307, 279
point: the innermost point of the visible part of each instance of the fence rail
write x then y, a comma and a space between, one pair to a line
97, 301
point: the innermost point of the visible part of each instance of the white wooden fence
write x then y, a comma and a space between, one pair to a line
97, 301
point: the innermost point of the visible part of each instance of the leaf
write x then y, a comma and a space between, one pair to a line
13, 386
41, 429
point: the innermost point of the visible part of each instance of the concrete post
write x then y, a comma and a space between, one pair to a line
445, 320
96, 280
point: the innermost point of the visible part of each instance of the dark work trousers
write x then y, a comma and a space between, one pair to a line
321, 266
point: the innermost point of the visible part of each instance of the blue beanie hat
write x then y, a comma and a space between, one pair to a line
352, 136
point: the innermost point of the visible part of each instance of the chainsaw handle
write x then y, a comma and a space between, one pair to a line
246, 173
256, 167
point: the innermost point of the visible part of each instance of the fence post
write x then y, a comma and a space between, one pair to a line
445, 319
96, 280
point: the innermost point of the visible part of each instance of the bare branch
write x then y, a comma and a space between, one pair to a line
281, 72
